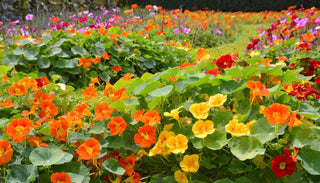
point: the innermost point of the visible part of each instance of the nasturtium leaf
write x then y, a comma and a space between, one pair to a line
65, 63
75, 178
301, 136
112, 166
98, 128
79, 50
262, 130
197, 143
10, 60
221, 119
223, 181
216, 140
22, 173
245, 147
19, 51
43, 156
309, 110
310, 160
131, 101
54, 51
104, 76
59, 43
228, 87
146, 87
181, 84
161, 92
44, 63
3, 70
24, 42
98, 49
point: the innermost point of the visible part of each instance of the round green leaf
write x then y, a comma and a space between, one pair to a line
216, 140
262, 130
113, 166
10, 60
43, 156
79, 50
245, 147
44, 63
310, 160
22, 173
161, 92
301, 136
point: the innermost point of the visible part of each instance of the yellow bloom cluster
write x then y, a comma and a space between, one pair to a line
203, 128
169, 142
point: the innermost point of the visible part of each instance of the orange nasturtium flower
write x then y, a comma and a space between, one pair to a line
203, 128
18, 129
17, 90
109, 89
89, 150
5, 152
4, 79
84, 62
127, 164
151, 117
89, 93
148, 6
180, 177
102, 111
145, 136
116, 68
138, 116
190, 163
134, 6
217, 100
117, 125
294, 121
48, 108
119, 94
106, 56
277, 114
28, 83
59, 129
34, 141
127, 77
177, 144
202, 55
60, 177
200, 110
8, 103
257, 90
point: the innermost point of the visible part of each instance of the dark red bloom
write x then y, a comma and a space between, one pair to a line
283, 165
225, 61
302, 91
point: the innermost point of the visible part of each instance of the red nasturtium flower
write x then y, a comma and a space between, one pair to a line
89, 150
214, 72
5, 152
117, 125
18, 129
277, 114
60, 177
225, 61
102, 111
283, 165
145, 136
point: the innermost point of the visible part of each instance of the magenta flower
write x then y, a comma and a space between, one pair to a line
29, 17
218, 31
176, 30
186, 30
106, 12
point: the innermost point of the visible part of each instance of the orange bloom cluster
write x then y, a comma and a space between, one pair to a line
8, 103
60, 177
22, 86
117, 125
89, 150
277, 114
102, 111
149, 118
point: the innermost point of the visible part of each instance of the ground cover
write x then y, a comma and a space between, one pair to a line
240, 117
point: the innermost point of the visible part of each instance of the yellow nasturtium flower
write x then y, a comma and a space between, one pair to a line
173, 113
238, 129
217, 100
190, 163
200, 110
203, 128
178, 144
180, 177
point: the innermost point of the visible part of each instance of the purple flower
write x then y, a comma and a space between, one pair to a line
155, 7
302, 22
85, 12
176, 30
90, 15
260, 35
116, 10
316, 21
274, 37
218, 31
34, 29
152, 13
186, 30
29, 17
9, 31
283, 21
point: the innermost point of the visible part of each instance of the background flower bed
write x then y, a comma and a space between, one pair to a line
205, 121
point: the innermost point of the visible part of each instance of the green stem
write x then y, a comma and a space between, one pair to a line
276, 130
